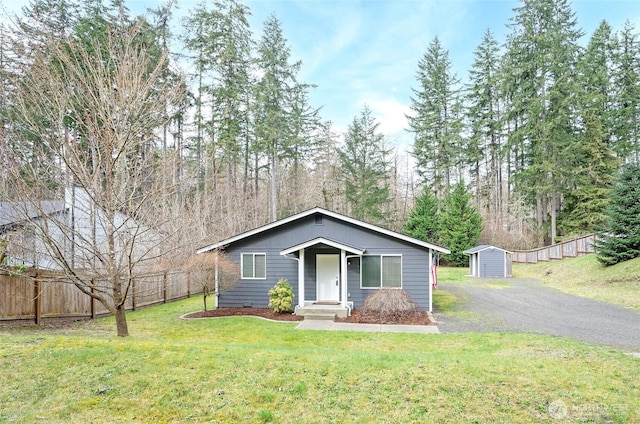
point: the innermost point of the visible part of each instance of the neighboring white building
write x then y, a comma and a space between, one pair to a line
39, 234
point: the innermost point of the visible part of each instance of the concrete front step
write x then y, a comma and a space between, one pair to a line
319, 316
332, 310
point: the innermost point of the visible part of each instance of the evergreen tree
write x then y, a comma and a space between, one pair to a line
543, 51
484, 149
274, 94
365, 169
620, 239
436, 119
423, 222
460, 225
596, 68
593, 162
228, 52
305, 134
627, 92
220, 39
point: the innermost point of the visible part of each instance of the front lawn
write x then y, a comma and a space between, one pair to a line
250, 370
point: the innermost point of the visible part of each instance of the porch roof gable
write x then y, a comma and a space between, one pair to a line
322, 240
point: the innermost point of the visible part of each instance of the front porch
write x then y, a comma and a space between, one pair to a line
322, 278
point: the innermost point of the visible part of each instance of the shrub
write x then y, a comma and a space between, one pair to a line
389, 304
620, 240
281, 297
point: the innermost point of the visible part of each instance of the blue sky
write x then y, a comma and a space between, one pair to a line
366, 51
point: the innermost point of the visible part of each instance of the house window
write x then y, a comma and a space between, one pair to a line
254, 266
381, 271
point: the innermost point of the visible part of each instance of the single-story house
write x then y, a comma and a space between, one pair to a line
328, 258
489, 261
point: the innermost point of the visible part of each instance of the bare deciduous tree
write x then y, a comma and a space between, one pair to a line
90, 109
213, 272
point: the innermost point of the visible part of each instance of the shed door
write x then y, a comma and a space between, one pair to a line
328, 277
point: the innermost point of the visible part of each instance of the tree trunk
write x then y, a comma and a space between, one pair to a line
539, 216
121, 321
274, 188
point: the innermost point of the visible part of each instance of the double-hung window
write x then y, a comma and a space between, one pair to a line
381, 271
254, 266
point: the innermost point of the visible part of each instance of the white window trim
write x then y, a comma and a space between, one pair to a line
381, 256
253, 255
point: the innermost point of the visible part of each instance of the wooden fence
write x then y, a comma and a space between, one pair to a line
38, 295
567, 249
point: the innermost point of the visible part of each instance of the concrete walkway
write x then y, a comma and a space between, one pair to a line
369, 328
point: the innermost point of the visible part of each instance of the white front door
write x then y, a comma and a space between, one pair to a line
328, 277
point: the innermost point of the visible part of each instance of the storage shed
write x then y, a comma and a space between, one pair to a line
489, 261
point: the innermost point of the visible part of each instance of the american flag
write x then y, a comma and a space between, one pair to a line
434, 275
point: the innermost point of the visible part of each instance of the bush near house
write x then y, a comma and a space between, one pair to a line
281, 297
389, 304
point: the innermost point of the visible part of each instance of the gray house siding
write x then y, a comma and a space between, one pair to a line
491, 263
415, 261
254, 292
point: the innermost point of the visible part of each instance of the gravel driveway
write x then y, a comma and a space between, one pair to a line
526, 306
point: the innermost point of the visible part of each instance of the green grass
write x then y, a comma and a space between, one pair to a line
585, 276
446, 273
250, 370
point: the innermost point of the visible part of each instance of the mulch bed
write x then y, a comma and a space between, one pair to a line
254, 312
408, 318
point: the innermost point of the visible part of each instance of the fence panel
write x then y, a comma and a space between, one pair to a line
178, 285
16, 297
148, 290
60, 299
567, 249
57, 298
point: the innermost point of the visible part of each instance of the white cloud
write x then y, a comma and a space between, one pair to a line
390, 113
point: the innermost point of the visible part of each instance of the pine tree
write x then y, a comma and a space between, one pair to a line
460, 224
627, 92
365, 169
593, 162
436, 119
620, 239
543, 51
221, 39
596, 67
484, 150
423, 222
274, 93
305, 134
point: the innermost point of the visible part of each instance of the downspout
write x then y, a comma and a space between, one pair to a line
430, 282
216, 276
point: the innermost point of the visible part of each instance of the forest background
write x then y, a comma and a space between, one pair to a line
535, 132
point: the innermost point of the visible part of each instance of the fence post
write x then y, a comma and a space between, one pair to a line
188, 283
37, 291
164, 287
